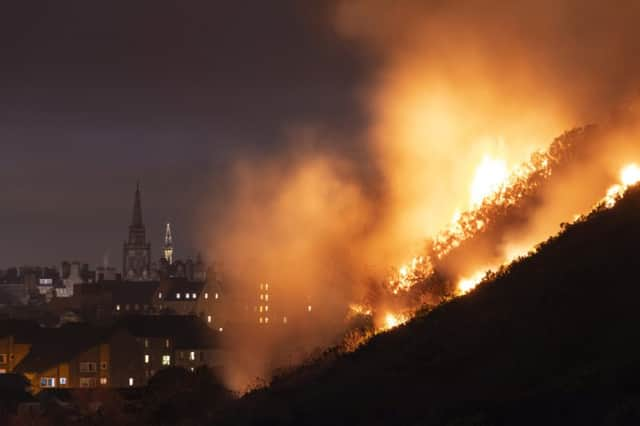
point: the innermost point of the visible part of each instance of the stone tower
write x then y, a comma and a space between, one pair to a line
136, 255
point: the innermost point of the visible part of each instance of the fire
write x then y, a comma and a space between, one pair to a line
465, 285
629, 175
490, 176
393, 320
360, 309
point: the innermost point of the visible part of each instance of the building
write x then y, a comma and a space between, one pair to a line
126, 354
136, 253
168, 245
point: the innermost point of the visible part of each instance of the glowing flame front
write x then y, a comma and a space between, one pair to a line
490, 176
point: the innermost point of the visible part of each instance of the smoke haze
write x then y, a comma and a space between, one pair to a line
455, 82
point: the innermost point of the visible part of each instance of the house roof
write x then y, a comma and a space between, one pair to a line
57, 345
186, 331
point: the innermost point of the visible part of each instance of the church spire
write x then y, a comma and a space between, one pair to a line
137, 209
168, 244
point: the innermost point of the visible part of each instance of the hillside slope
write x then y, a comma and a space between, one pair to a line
553, 340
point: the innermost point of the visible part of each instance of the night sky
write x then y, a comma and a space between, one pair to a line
96, 95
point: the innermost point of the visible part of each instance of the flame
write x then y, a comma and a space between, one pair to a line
490, 176
629, 175
465, 285
360, 309
392, 320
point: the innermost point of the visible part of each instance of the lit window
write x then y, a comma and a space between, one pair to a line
192, 356
103, 380
261, 320
130, 381
206, 295
260, 308
209, 319
48, 382
117, 307
266, 320
146, 359
284, 320
191, 369
193, 295
266, 297
160, 295
309, 308
166, 359
216, 295
261, 286
220, 329
166, 343
187, 295
262, 297
146, 343
63, 380
266, 308
177, 295
266, 286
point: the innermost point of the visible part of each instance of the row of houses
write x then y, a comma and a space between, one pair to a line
125, 354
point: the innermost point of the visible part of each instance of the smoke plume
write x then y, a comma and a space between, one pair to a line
456, 82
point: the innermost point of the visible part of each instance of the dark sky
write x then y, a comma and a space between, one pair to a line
95, 95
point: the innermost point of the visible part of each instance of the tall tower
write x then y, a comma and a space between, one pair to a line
168, 245
136, 255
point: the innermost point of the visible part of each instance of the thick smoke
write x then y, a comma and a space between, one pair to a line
457, 81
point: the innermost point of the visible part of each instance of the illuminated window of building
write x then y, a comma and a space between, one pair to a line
309, 308
261, 296
192, 356
266, 320
146, 343
160, 295
103, 380
260, 320
63, 380
146, 359
261, 286
206, 295
47, 382
284, 320
220, 329
166, 343
266, 297
130, 381
166, 359
191, 369
3, 371
177, 295
260, 308
209, 319
216, 295
117, 307
266, 286
187, 296
193, 295
266, 308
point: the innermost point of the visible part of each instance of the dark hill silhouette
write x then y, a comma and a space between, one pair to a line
553, 339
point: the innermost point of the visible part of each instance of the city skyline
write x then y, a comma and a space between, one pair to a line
93, 101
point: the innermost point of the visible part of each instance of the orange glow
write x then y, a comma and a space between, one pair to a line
490, 176
465, 285
393, 320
